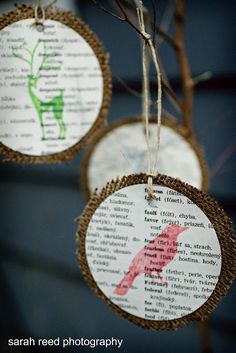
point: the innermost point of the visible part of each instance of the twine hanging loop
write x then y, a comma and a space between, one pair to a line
39, 21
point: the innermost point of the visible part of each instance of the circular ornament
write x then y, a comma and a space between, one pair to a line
120, 149
55, 85
159, 267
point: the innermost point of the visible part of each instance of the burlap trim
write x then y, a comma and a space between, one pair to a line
177, 127
212, 210
68, 18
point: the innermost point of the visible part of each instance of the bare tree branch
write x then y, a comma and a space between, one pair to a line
158, 30
137, 94
125, 18
213, 125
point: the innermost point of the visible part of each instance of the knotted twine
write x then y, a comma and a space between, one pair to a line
39, 22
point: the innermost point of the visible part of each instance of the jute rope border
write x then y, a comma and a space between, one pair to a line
212, 210
177, 127
25, 11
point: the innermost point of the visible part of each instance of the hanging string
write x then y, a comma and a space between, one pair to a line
148, 44
39, 22
147, 64
51, 4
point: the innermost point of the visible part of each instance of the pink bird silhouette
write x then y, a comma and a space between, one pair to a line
153, 257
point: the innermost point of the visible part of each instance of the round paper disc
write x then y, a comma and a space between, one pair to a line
161, 266
55, 86
120, 149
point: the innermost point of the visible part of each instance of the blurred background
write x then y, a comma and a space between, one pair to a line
43, 294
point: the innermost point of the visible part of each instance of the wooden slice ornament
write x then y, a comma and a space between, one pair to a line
159, 267
180, 156
55, 84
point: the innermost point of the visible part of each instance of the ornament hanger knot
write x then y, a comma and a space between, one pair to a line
146, 35
39, 21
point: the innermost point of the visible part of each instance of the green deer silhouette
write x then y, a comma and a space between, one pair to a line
56, 104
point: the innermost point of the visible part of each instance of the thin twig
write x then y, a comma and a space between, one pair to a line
168, 89
224, 156
165, 83
51, 4
154, 22
227, 169
171, 94
128, 88
166, 19
125, 18
205, 76
213, 125
103, 8
137, 94
169, 39
187, 82
178, 44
